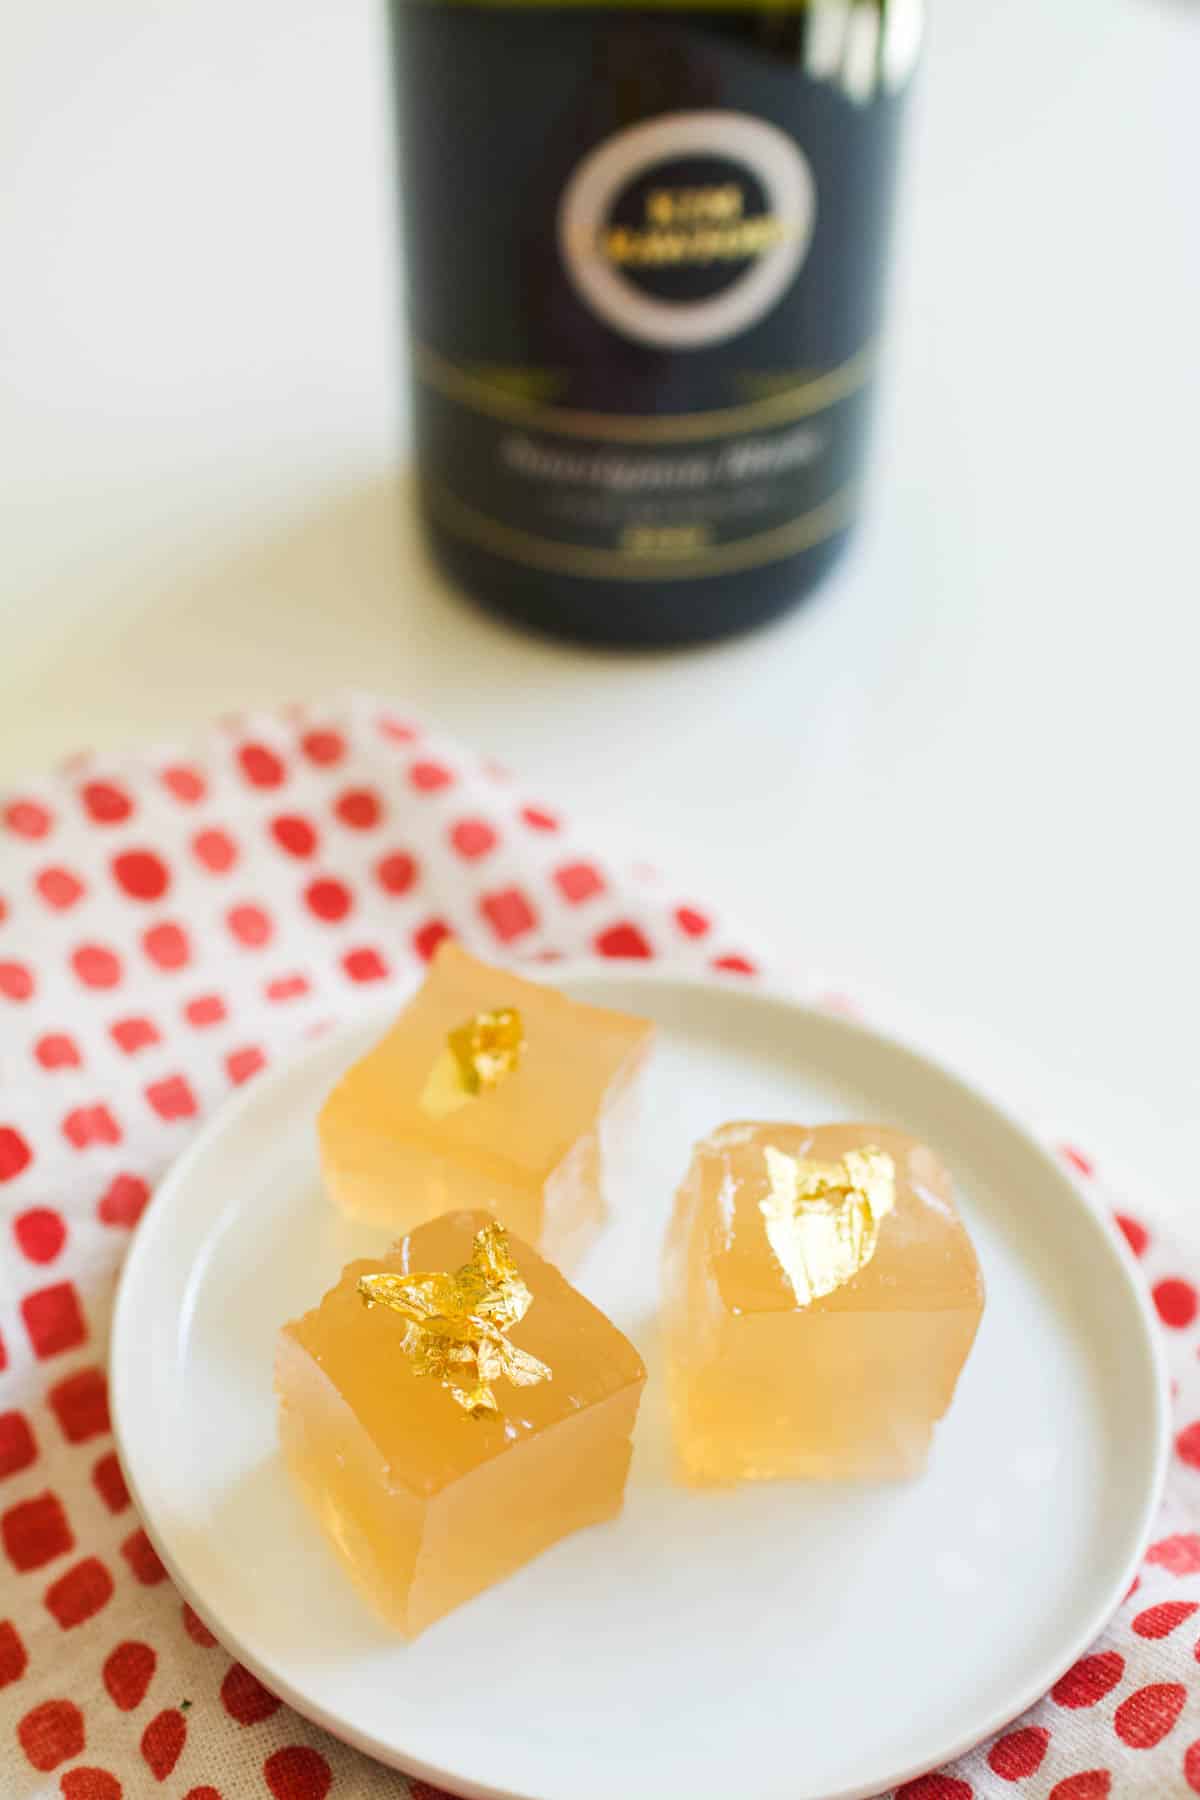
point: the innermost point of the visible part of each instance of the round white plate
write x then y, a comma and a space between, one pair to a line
784, 1640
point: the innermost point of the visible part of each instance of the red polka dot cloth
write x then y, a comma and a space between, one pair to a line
170, 925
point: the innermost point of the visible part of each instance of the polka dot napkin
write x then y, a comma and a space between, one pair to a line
170, 925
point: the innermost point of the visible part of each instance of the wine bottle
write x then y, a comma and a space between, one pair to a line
645, 254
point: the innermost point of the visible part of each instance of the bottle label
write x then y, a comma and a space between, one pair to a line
645, 256
683, 231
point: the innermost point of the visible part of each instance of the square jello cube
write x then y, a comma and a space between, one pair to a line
426, 1503
399, 1146
829, 1355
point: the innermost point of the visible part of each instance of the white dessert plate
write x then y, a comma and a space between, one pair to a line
789, 1641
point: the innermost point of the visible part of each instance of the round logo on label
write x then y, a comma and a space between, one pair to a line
685, 230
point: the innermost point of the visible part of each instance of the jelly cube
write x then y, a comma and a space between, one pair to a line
489, 1090
775, 1370
426, 1503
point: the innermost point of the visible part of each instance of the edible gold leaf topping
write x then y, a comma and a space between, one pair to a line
455, 1325
477, 1057
488, 1047
823, 1218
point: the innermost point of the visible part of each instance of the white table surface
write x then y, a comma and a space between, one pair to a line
964, 779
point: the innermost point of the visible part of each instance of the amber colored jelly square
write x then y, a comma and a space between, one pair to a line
425, 1504
847, 1387
528, 1148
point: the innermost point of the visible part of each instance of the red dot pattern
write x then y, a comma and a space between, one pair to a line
1018, 1753
59, 888
172, 1098
28, 819
245, 1698
123, 1201
56, 1050
1089, 1680
35, 1531
196, 1629
250, 925
54, 1319
167, 945
16, 981
426, 939
935, 1787
241, 1064
91, 1784
623, 940
109, 1483
1134, 1233
128, 1672
397, 873
142, 874
14, 1658
1191, 1766
51, 1733
80, 1404
18, 1447
80, 1593
96, 965
429, 777
143, 1560
328, 899
134, 1034
40, 1233
261, 767
163, 1741
294, 834
15, 1154
287, 987
1089, 1784
473, 838
1175, 1301
579, 881
215, 850
397, 731
186, 784
360, 809
365, 964
324, 748
204, 1010
297, 1773
84, 1126
1180, 1553
106, 803
1145, 1718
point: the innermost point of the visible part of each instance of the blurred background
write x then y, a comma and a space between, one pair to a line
960, 784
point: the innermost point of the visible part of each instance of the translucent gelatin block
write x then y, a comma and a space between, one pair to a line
820, 1299
488, 1090
426, 1502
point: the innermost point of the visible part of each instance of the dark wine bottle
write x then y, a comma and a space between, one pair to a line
645, 255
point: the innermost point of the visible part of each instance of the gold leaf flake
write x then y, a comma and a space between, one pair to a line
455, 1324
478, 1056
822, 1219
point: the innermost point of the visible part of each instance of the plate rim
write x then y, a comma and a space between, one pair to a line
123, 1352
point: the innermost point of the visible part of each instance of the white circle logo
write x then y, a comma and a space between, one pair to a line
683, 231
